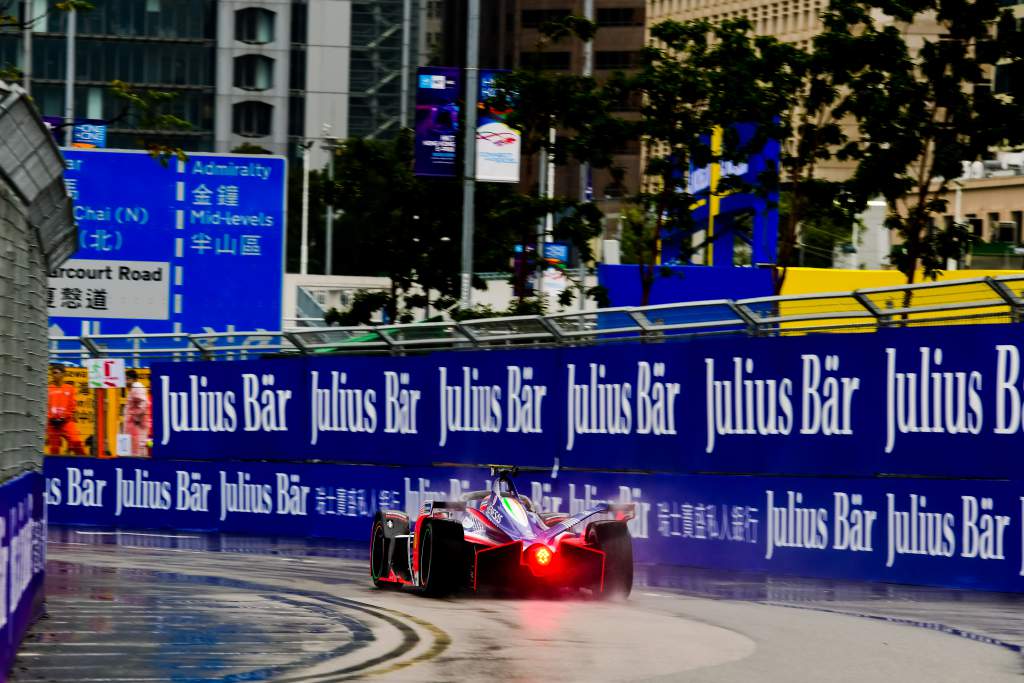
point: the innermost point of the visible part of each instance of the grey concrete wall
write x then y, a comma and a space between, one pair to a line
36, 233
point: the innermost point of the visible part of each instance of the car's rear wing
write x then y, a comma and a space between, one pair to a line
623, 511
620, 512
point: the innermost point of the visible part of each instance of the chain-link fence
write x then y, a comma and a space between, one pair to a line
36, 233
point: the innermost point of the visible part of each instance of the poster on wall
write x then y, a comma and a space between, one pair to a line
497, 144
438, 90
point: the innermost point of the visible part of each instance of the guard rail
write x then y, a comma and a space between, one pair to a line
976, 300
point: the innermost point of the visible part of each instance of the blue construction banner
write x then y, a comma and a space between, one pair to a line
438, 92
904, 401
192, 245
948, 533
22, 561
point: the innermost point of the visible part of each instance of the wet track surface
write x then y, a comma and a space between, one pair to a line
191, 607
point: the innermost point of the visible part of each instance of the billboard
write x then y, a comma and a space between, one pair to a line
905, 402
721, 216
497, 144
22, 561
190, 246
438, 92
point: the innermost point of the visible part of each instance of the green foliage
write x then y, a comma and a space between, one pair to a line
518, 306
921, 112
694, 77
146, 111
365, 304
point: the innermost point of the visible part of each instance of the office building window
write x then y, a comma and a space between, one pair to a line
619, 16
254, 25
533, 18
252, 119
297, 116
615, 59
300, 17
254, 72
297, 69
555, 61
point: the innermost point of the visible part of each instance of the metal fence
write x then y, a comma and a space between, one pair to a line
978, 300
36, 233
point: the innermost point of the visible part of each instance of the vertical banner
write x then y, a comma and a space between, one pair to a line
22, 560
437, 120
497, 143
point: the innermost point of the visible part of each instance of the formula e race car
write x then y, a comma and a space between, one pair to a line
497, 539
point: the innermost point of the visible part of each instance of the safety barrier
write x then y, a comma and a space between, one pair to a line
988, 299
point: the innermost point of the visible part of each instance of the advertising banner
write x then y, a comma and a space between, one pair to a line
185, 246
723, 216
22, 561
898, 401
950, 533
497, 144
438, 92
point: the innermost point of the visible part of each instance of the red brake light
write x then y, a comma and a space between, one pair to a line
540, 555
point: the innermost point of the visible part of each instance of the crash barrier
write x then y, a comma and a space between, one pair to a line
965, 534
22, 561
936, 402
975, 300
882, 456
104, 422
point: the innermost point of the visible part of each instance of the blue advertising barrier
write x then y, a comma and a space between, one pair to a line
673, 284
22, 560
920, 402
948, 533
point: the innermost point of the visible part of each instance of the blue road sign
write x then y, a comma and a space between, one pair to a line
192, 246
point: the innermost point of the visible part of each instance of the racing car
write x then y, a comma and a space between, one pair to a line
497, 539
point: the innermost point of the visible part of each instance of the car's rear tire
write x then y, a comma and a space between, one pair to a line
613, 539
385, 528
442, 563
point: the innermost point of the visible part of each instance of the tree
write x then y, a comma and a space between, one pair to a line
576, 110
142, 109
694, 77
811, 92
922, 110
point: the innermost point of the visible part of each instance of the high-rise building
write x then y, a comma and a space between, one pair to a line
267, 73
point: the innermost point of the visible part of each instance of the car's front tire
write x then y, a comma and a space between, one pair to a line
613, 539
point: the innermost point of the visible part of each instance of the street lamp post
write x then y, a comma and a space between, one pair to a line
469, 151
69, 77
304, 246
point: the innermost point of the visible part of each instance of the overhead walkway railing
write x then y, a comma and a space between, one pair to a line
977, 300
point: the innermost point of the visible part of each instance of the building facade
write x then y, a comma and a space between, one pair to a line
261, 73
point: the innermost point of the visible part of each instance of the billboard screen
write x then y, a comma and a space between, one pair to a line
438, 91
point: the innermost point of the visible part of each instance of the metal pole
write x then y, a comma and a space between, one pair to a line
406, 49
26, 37
304, 247
329, 239
69, 83
585, 191
469, 150
542, 191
